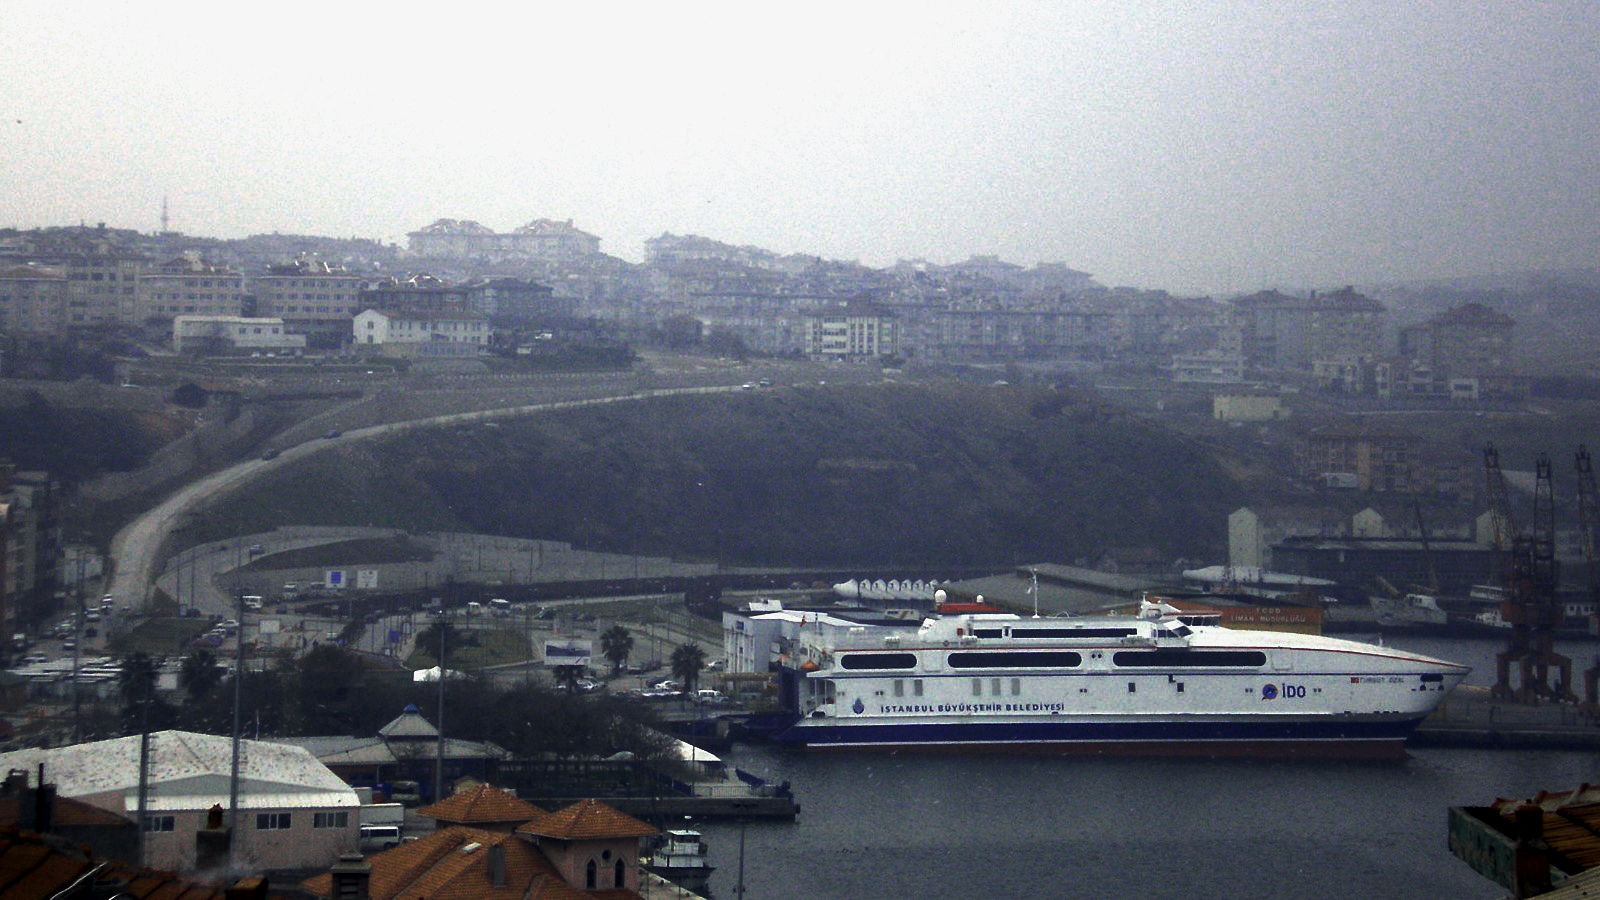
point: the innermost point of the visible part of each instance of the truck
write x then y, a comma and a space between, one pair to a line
383, 814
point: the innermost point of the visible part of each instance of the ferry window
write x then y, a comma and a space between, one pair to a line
858, 661
1014, 659
986, 632
1016, 686
1132, 687
994, 686
916, 687
1072, 632
1190, 658
1180, 687
977, 687
899, 688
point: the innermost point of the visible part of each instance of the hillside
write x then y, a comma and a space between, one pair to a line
885, 475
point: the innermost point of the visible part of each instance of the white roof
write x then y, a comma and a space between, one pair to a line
188, 771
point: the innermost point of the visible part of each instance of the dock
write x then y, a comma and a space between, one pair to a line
1471, 717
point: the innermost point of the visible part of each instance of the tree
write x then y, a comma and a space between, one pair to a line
199, 675
687, 661
616, 643
428, 641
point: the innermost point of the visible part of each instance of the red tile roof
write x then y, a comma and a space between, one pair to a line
67, 812
587, 820
453, 864
483, 804
37, 867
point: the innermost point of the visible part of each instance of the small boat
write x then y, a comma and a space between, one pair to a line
680, 857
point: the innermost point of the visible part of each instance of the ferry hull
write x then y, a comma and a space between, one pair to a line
1380, 738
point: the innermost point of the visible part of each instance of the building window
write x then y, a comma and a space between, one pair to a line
330, 819
591, 875
159, 823
618, 879
272, 821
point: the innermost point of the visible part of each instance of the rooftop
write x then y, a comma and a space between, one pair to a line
483, 804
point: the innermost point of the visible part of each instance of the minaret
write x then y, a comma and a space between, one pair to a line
164, 228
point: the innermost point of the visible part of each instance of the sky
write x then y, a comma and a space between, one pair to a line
1194, 147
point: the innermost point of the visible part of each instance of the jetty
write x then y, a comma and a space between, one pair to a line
1472, 717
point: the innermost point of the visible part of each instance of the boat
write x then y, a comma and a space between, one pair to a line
680, 857
1412, 612
1162, 682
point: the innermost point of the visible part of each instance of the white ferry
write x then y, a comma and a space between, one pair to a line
1164, 683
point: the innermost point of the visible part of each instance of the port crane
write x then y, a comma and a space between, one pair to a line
1589, 523
1526, 566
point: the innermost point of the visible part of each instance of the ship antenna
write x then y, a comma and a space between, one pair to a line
1034, 590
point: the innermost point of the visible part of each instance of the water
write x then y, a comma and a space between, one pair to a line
932, 827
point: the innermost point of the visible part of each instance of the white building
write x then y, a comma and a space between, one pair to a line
232, 334
293, 812
419, 333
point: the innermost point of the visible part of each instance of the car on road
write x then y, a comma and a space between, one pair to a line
271, 453
333, 433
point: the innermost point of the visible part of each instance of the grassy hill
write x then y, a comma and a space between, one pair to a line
881, 475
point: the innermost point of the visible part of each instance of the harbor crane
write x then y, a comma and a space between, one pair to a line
1589, 524
1526, 567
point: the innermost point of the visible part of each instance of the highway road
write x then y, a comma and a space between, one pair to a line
141, 546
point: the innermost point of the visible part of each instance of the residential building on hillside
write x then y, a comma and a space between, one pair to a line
218, 335
517, 302
102, 289
1208, 368
187, 286
312, 298
850, 331
293, 812
422, 334
540, 239
1378, 458
418, 293
1467, 340
33, 300
1278, 331
30, 540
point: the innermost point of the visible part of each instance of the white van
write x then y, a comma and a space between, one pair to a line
500, 606
474, 608
379, 837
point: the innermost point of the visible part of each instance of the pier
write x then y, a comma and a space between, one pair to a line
1471, 717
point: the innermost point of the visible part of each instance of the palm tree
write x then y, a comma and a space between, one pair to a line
615, 644
199, 674
687, 661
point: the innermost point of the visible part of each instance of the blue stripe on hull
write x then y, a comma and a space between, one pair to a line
1249, 731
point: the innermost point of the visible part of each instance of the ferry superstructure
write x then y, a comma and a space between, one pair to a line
1161, 683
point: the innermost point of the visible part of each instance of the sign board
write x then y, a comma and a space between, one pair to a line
335, 579
269, 626
568, 653
367, 579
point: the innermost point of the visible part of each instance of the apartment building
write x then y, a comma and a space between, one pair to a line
312, 298
850, 331
187, 286
33, 300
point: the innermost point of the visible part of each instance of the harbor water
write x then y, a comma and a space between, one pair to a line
932, 826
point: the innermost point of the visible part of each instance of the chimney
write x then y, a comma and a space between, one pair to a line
211, 842
497, 866
352, 878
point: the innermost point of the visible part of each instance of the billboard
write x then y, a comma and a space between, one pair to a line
335, 580
568, 653
367, 579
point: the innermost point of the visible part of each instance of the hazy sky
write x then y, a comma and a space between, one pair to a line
1193, 147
